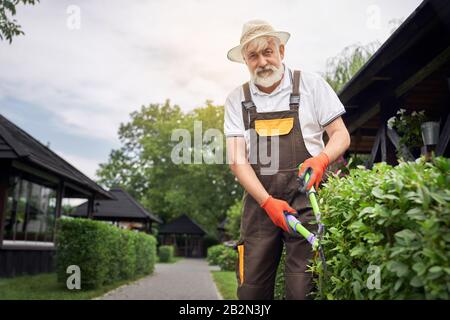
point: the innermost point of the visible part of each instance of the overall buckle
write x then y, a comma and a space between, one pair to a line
248, 104
294, 100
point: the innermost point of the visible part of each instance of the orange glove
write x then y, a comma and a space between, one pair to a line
318, 164
274, 208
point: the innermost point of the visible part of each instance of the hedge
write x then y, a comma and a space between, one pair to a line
394, 220
103, 252
213, 253
223, 256
166, 253
228, 259
280, 289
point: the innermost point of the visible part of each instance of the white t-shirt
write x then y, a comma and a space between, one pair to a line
319, 106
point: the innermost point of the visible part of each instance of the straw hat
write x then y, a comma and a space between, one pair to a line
252, 30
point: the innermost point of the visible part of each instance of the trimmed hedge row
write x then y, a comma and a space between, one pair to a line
166, 253
391, 220
103, 252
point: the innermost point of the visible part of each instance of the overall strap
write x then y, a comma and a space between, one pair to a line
247, 105
294, 100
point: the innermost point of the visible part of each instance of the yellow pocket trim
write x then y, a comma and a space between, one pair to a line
241, 263
274, 127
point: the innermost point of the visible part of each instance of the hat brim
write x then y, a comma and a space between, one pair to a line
235, 54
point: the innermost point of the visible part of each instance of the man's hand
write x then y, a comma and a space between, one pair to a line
275, 210
318, 164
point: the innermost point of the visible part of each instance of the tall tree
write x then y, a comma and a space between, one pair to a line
341, 68
9, 27
145, 168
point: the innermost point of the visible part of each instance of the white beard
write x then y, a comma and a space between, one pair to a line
267, 81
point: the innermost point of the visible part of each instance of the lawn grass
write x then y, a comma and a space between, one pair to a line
44, 287
226, 284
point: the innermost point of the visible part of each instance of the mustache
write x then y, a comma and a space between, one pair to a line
260, 70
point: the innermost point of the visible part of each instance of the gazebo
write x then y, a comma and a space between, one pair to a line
186, 235
123, 211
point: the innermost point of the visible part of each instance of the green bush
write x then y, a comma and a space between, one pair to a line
145, 253
233, 224
228, 259
392, 219
103, 252
127, 260
214, 253
279, 290
115, 255
223, 256
166, 253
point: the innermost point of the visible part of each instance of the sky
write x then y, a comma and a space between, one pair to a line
83, 66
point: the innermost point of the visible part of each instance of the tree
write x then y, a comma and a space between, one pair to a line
9, 27
233, 223
341, 68
144, 167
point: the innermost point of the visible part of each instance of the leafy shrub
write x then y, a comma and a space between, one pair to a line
127, 260
115, 256
214, 253
233, 224
81, 242
166, 253
341, 167
228, 259
223, 256
279, 291
392, 218
103, 252
408, 126
145, 253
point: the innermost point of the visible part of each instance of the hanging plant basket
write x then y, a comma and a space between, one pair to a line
430, 133
408, 127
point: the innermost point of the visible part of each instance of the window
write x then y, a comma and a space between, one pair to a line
30, 212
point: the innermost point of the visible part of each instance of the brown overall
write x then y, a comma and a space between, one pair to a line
261, 242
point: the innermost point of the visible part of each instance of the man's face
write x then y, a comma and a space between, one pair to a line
265, 63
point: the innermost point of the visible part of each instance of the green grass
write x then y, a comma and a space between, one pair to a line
44, 287
226, 284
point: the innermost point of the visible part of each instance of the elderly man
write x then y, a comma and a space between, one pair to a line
290, 111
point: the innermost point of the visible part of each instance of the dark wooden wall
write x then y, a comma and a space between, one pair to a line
14, 262
191, 246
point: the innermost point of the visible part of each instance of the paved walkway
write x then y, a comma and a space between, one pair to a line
188, 279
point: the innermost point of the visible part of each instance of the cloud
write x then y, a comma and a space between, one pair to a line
86, 165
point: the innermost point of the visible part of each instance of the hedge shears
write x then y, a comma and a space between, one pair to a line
297, 227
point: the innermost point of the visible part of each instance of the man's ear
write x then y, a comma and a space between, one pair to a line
281, 51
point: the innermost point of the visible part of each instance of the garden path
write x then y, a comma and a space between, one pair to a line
187, 279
